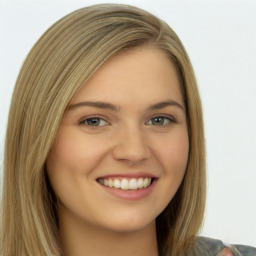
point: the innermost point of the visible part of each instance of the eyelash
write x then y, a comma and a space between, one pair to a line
169, 120
166, 121
86, 120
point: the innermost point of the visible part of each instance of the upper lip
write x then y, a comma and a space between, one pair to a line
128, 175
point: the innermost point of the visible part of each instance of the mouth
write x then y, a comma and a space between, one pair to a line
126, 183
128, 187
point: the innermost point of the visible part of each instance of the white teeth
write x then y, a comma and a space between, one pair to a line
117, 183
133, 184
145, 182
105, 182
126, 184
140, 183
110, 183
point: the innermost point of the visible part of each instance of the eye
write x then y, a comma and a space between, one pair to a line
94, 121
160, 120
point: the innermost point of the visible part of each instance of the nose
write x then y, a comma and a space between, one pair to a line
131, 146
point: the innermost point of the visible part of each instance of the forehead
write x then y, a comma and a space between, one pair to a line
139, 74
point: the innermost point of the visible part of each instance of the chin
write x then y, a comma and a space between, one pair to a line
131, 226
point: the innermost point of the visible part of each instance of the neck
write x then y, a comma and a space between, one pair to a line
81, 239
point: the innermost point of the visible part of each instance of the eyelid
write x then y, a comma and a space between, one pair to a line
170, 117
84, 119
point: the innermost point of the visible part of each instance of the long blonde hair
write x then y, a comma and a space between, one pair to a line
58, 65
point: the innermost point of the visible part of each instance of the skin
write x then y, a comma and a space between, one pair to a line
126, 140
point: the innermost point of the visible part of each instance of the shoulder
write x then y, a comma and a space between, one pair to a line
214, 247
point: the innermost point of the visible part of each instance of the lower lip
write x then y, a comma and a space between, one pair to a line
130, 194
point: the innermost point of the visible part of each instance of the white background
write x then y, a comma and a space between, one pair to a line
220, 37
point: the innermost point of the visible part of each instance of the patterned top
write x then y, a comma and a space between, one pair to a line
213, 247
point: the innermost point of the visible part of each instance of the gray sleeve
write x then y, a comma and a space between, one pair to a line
205, 246
246, 250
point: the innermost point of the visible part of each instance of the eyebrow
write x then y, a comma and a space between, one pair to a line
96, 104
105, 105
165, 104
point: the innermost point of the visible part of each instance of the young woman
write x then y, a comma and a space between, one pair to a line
105, 148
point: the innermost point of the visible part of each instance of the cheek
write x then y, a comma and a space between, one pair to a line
70, 166
172, 153
75, 152
174, 158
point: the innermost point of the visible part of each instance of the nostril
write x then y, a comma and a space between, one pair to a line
126, 161
130, 148
130, 157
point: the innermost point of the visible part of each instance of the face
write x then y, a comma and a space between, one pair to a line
122, 148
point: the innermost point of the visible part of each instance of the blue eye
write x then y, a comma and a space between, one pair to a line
94, 121
160, 120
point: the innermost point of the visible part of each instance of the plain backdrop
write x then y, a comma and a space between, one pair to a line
220, 38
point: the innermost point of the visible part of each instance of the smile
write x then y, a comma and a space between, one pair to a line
126, 183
